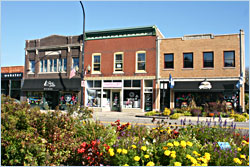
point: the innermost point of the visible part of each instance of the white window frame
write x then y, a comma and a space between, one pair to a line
136, 62
72, 62
30, 67
93, 71
53, 63
118, 72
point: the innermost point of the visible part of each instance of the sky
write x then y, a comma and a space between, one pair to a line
27, 20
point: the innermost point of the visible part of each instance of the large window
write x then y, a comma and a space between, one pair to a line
94, 93
141, 61
32, 66
169, 60
96, 63
75, 62
53, 65
119, 62
208, 59
132, 83
187, 60
229, 59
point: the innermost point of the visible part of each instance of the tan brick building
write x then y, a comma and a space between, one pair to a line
192, 59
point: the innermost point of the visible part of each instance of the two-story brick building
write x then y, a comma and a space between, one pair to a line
120, 69
205, 68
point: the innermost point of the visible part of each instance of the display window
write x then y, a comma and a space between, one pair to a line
68, 98
132, 98
94, 97
106, 98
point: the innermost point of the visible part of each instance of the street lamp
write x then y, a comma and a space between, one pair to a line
83, 71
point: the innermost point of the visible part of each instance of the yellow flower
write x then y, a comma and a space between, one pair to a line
239, 149
204, 160
176, 143
169, 131
188, 156
146, 156
144, 148
126, 165
161, 130
83, 123
111, 150
124, 151
150, 163
204, 164
170, 145
189, 144
167, 152
119, 150
173, 155
129, 127
177, 164
133, 146
183, 143
195, 153
243, 156
236, 160
111, 153
193, 160
173, 152
136, 158
165, 148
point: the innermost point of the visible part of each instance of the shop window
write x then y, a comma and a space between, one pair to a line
90, 84
55, 65
169, 60
75, 62
41, 65
96, 63
188, 60
97, 84
136, 83
127, 83
148, 83
208, 59
141, 61
32, 66
94, 98
229, 59
15, 84
132, 98
119, 62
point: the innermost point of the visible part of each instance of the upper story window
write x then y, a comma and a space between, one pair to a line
187, 60
96, 62
141, 61
53, 65
119, 62
229, 59
32, 66
75, 62
169, 60
208, 59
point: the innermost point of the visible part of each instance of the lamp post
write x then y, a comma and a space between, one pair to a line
83, 71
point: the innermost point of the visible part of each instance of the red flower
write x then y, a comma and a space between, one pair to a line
80, 150
83, 144
88, 158
93, 142
176, 132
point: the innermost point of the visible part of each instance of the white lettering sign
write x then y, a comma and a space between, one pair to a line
49, 84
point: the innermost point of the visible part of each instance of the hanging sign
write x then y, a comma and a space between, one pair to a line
82, 83
205, 85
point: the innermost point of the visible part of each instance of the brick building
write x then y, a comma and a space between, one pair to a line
216, 60
11, 80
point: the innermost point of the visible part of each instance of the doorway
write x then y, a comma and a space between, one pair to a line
115, 101
52, 98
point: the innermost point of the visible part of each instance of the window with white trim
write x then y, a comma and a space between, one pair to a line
32, 66
96, 62
118, 62
141, 61
75, 62
53, 65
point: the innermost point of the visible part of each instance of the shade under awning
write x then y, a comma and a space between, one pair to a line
73, 84
216, 86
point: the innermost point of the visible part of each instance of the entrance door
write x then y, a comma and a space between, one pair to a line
164, 99
52, 99
115, 101
148, 101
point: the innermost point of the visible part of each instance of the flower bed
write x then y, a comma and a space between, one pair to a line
29, 137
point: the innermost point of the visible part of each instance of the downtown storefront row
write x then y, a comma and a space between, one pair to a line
120, 95
184, 92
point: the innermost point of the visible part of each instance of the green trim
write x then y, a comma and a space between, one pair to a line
121, 33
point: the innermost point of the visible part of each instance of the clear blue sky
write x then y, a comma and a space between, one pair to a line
22, 21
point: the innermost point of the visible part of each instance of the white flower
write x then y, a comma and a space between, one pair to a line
147, 143
154, 141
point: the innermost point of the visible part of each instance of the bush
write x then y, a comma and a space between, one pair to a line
187, 113
239, 118
166, 112
175, 116
196, 112
151, 113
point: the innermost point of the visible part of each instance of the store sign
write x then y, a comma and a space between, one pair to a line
11, 75
205, 85
82, 83
49, 84
112, 84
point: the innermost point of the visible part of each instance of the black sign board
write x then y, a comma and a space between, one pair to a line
11, 75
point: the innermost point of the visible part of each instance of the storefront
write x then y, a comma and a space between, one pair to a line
51, 92
11, 84
216, 91
119, 95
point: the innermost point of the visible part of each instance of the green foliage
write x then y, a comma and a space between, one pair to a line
239, 118
187, 113
176, 115
151, 113
166, 112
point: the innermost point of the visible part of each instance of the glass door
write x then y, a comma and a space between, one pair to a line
115, 101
